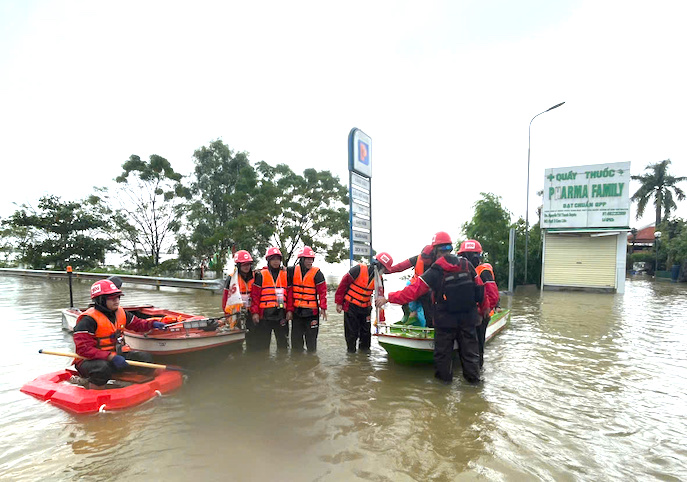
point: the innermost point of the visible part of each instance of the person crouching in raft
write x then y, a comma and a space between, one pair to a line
456, 292
306, 299
98, 335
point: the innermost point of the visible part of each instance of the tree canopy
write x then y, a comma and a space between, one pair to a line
311, 211
661, 188
58, 233
231, 207
149, 209
490, 225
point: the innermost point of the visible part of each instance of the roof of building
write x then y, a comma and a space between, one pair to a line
644, 235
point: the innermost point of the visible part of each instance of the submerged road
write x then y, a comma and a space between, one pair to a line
579, 387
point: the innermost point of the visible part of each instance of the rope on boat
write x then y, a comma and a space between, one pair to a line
102, 408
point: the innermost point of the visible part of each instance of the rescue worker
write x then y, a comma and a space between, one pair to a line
456, 292
268, 303
472, 250
354, 298
244, 267
307, 299
98, 335
420, 264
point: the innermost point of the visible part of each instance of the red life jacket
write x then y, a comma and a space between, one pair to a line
106, 332
304, 291
272, 295
360, 291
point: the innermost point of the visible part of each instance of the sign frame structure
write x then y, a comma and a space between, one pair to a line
359, 194
587, 197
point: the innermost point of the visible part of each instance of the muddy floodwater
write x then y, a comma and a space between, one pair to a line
580, 386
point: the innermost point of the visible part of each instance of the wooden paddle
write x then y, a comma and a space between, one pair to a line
130, 362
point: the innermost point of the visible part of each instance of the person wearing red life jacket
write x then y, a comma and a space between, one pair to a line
457, 295
268, 303
306, 299
420, 264
98, 335
244, 267
472, 250
354, 298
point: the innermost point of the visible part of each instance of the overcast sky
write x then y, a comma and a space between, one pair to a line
446, 90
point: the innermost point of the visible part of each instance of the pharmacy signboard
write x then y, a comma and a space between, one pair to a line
595, 196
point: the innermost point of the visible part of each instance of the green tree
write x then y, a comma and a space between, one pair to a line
58, 234
149, 210
658, 186
312, 211
232, 207
490, 225
534, 254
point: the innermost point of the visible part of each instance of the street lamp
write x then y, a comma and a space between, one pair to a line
527, 208
657, 236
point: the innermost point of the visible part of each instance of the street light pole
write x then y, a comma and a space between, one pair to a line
527, 207
657, 236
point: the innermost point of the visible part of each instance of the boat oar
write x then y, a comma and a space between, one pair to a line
130, 362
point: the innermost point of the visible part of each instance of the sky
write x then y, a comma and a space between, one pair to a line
445, 89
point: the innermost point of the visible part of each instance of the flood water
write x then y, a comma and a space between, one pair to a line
579, 387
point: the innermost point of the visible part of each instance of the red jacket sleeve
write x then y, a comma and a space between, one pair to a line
491, 294
139, 325
86, 346
402, 266
482, 307
410, 293
322, 295
255, 298
343, 289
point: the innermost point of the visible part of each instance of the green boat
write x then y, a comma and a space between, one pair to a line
412, 344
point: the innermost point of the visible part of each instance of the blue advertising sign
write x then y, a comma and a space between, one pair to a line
359, 153
360, 194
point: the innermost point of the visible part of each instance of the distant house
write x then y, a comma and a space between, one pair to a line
642, 239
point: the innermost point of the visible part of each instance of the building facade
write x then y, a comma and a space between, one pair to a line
585, 221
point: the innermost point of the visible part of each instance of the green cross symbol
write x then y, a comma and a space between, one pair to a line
550, 177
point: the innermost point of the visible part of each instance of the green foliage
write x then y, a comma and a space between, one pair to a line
150, 208
490, 226
233, 205
312, 211
59, 234
658, 186
672, 247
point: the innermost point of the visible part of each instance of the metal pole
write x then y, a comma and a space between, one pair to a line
511, 259
527, 205
71, 295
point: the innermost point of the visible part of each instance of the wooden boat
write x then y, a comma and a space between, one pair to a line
57, 389
414, 344
186, 333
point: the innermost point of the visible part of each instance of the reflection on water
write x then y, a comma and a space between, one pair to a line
580, 387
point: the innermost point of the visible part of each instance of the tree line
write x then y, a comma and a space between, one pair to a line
227, 203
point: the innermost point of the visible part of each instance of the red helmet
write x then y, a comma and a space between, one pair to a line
427, 251
385, 260
441, 238
242, 256
273, 252
470, 246
306, 252
104, 287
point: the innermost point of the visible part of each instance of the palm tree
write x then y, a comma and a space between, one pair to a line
660, 186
